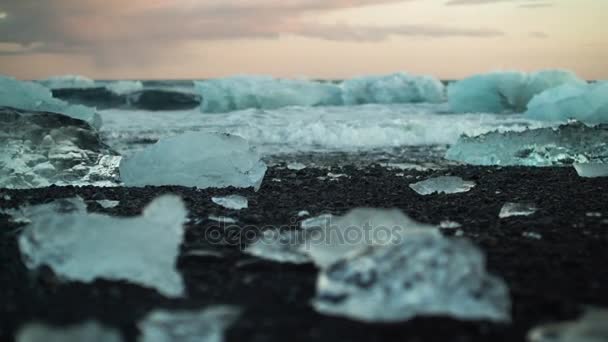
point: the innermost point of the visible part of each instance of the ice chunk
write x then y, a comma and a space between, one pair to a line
510, 209
317, 221
583, 102
303, 213
206, 325
90, 331
107, 204
589, 328
30, 96
124, 87
592, 170
395, 88
296, 166
568, 144
235, 93
532, 235
423, 275
68, 82
38, 149
195, 159
443, 184
84, 247
281, 246
222, 219
509, 91
235, 202
449, 225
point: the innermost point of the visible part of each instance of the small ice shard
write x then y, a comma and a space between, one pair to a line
203, 253
510, 209
280, 246
107, 204
591, 170
334, 176
317, 221
206, 325
423, 275
222, 219
593, 214
532, 235
591, 327
235, 202
565, 145
195, 159
296, 166
84, 247
443, 184
449, 225
303, 213
90, 331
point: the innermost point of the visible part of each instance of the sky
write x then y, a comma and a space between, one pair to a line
331, 39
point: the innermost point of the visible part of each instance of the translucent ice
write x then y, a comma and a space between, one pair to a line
34, 97
592, 170
510, 209
395, 88
424, 275
38, 149
281, 246
296, 166
499, 92
443, 184
84, 247
222, 219
206, 325
235, 202
583, 102
195, 159
589, 328
107, 204
90, 331
568, 144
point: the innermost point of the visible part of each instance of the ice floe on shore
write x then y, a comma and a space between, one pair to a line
442, 185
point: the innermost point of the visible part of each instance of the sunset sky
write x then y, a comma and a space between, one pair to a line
164, 39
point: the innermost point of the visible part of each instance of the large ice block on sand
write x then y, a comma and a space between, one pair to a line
442, 185
34, 97
583, 102
591, 327
234, 202
206, 325
38, 149
592, 170
565, 145
90, 331
508, 91
196, 159
424, 275
84, 247
395, 88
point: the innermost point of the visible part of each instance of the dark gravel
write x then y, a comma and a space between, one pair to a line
550, 279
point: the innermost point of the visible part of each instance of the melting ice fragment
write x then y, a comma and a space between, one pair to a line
84, 247
568, 144
443, 184
510, 209
90, 331
196, 159
222, 219
296, 166
280, 246
206, 325
235, 202
449, 225
107, 204
425, 274
589, 328
591, 170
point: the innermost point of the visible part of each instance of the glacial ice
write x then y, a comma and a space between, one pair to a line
592, 170
296, 166
591, 327
509, 91
30, 96
511, 209
108, 204
587, 103
83, 247
38, 149
390, 89
235, 202
90, 331
206, 325
442, 185
424, 275
565, 145
195, 159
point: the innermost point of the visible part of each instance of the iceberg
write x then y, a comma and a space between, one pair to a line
395, 88
80, 246
235, 202
583, 102
508, 91
90, 331
195, 159
38, 149
591, 170
206, 325
589, 328
511, 209
423, 275
565, 145
442, 185
30, 96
